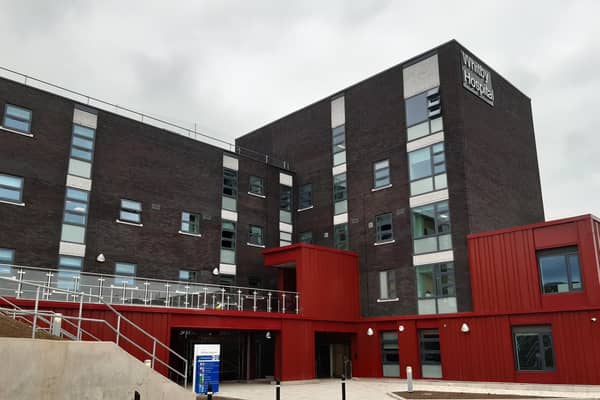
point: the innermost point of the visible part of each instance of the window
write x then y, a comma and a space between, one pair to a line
255, 235
11, 188
76, 207
69, 272
427, 169
533, 348
131, 211
229, 189
7, 258
559, 270
431, 228
228, 242
390, 359
17, 118
82, 150
340, 194
387, 285
305, 196
256, 185
423, 114
384, 229
305, 237
431, 358
285, 204
340, 236
187, 275
381, 173
436, 289
190, 223
126, 274
339, 145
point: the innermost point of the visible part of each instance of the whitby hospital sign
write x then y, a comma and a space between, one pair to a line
476, 78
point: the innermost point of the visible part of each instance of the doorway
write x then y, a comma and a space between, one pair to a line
431, 360
332, 354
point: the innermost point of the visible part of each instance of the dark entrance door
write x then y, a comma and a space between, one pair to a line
431, 361
332, 354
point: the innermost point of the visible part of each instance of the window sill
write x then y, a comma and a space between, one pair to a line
388, 300
190, 234
381, 188
2, 128
305, 208
383, 243
12, 203
260, 196
262, 246
128, 223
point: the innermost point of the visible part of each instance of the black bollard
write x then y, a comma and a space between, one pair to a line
343, 387
209, 392
277, 390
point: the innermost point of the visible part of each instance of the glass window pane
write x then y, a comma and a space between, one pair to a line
445, 242
285, 216
419, 163
18, 125
529, 357
553, 270
229, 203
440, 182
14, 182
72, 233
131, 205
305, 195
426, 245
83, 143
130, 216
421, 186
18, 112
437, 125
574, 270
340, 236
417, 131
70, 262
227, 256
76, 194
78, 153
77, 219
256, 185
425, 282
76, 206
10, 194
285, 198
416, 109
423, 221
83, 131
339, 158
305, 237
80, 168
124, 269
340, 207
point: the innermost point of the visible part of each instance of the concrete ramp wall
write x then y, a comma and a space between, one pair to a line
66, 370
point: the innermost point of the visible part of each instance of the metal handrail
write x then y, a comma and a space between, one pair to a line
117, 330
147, 119
139, 291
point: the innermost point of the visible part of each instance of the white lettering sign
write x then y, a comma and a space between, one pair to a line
477, 79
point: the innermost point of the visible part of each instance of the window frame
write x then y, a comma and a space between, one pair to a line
232, 239
379, 232
391, 292
74, 212
540, 331
259, 183
302, 235
6, 265
130, 210
190, 224
432, 153
305, 197
230, 183
433, 113
388, 176
17, 118
69, 271
13, 189
121, 277
254, 235
437, 225
286, 200
565, 252
341, 229
192, 275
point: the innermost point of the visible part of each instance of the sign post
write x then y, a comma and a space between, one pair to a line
206, 367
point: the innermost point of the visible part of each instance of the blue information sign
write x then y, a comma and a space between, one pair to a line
206, 367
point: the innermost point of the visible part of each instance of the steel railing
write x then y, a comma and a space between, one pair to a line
121, 320
128, 290
191, 133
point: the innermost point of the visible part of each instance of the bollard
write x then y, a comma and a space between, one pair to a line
343, 387
409, 382
277, 390
209, 392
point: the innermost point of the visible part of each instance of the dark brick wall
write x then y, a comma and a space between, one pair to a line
166, 172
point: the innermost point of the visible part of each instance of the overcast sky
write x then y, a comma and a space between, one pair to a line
232, 66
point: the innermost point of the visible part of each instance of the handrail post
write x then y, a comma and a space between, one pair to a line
37, 300
153, 352
269, 302
222, 298
80, 314
185, 375
283, 303
297, 304
100, 287
254, 302
20, 272
118, 328
240, 304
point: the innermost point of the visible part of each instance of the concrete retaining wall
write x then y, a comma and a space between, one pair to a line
65, 370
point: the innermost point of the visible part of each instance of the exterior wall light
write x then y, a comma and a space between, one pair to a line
593, 319
101, 258
370, 332
401, 328
268, 335
464, 328
215, 271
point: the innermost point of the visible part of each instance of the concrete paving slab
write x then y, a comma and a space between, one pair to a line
382, 389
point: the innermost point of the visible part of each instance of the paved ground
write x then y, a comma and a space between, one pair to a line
381, 389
